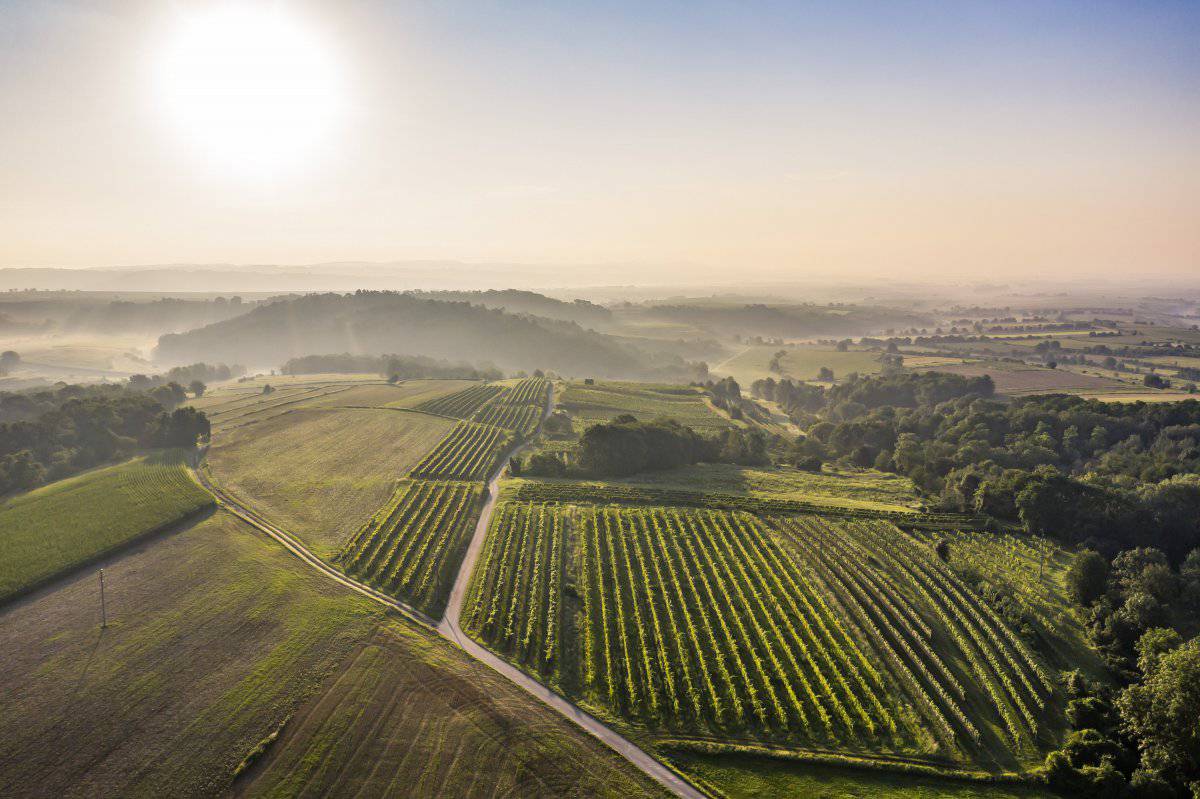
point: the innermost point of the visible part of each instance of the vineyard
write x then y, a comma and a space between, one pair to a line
412, 545
816, 631
461, 404
469, 452
517, 409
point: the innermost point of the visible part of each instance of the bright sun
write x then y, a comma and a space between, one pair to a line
253, 89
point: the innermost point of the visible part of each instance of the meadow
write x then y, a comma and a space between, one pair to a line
51, 530
321, 473
602, 402
811, 632
407, 714
850, 488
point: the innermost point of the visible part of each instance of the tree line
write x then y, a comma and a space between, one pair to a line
627, 446
46, 435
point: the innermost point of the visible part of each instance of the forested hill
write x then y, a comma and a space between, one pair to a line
377, 323
515, 301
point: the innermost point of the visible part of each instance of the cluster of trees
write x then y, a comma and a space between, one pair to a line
169, 389
1141, 738
400, 367
1111, 475
47, 435
627, 446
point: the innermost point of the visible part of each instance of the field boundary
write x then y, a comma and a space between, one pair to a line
857, 762
615, 494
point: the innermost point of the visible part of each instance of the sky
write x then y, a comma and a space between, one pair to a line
725, 140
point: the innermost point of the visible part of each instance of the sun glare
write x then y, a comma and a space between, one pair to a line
251, 87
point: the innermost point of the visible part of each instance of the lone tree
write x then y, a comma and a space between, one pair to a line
197, 388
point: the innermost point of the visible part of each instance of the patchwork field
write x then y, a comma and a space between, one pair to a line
1020, 380
803, 631
215, 636
798, 363
322, 473
53, 529
408, 715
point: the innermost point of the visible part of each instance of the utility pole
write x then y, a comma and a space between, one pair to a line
103, 609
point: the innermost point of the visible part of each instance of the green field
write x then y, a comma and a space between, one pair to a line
602, 402
215, 636
412, 547
850, 488
53, 529
322, 473
799, 363
741, 777
806, 631
409, 715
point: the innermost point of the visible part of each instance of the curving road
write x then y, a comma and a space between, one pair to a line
449, 627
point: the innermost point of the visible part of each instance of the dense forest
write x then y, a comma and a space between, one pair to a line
376, 323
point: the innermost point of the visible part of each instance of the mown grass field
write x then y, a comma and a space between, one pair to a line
322, 473
811, 632
409, 715
602, 402
215, 636
57, 527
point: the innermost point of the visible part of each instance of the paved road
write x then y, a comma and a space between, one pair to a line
449, 628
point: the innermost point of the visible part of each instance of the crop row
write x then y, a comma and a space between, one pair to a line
461, 403
469, 452
691, 619
412, 544
515, 600
864, 564
521, 419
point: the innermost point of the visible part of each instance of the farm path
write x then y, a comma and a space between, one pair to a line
449, 627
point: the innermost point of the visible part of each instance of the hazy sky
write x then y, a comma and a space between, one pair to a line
727, 138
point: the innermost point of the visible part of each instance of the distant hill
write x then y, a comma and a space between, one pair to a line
377, 323
585, 313
787, 321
